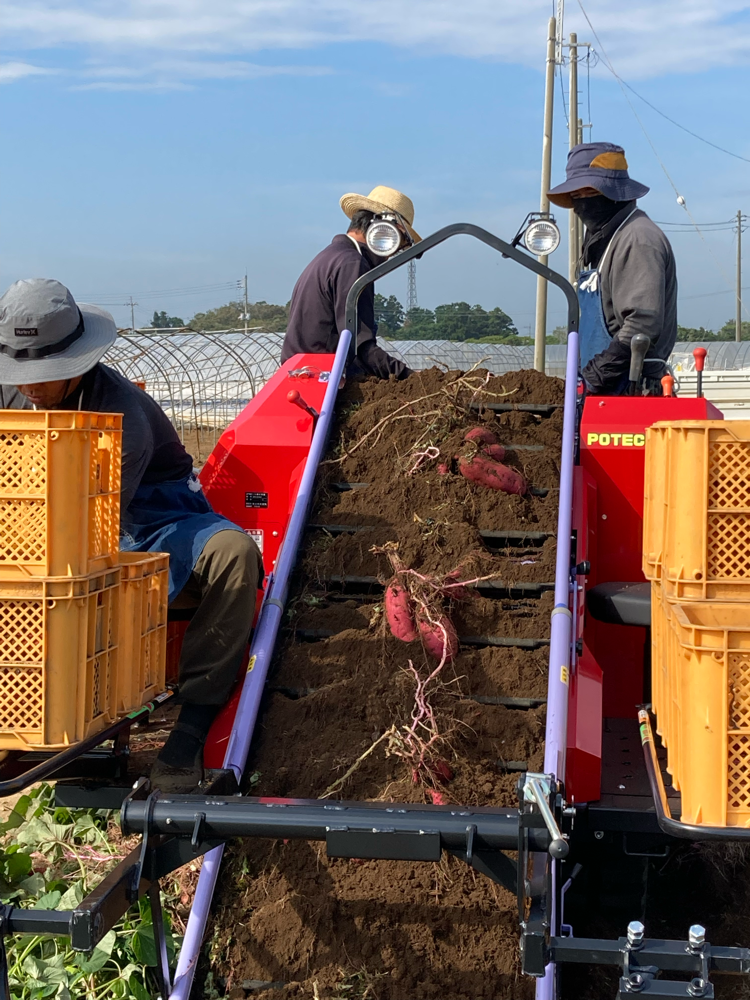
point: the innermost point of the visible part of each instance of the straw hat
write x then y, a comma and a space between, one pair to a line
382, 199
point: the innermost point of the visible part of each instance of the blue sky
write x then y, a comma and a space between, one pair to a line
161, 147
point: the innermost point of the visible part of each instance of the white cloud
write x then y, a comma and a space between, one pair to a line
12, 71
643, 37
181, 74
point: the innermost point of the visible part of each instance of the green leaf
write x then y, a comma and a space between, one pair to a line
138, 990
16, 867
144, 944
34, 884
71, 897
17, 815
49, 901
100, 955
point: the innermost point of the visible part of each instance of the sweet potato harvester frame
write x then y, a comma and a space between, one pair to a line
602, 796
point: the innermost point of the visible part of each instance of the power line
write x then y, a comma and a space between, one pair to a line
680, 199
683, 127
113, 298
706, 295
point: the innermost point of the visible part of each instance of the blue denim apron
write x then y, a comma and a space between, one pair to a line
593, 335
173, 517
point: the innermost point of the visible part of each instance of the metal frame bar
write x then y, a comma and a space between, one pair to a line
457, 229
319, 819
57, 761
261, 649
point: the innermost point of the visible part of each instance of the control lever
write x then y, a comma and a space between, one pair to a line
699, 353
667, 385
296, 399
558, 847
639, 344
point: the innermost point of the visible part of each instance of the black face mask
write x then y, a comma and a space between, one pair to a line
595, 212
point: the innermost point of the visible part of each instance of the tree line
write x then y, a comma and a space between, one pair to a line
453, 321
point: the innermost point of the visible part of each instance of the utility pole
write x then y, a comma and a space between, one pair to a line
247, 316
540, 331
738, 319
573, 131
411, 295
132, 313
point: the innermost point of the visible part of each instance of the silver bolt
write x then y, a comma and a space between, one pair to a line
635, 982
599, 834
636, 930
696, 936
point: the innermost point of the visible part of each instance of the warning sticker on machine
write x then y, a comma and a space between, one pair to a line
256, 499
257, 536
564, 674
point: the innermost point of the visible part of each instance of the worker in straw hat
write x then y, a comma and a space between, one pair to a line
380, 225
627, 283
50, 359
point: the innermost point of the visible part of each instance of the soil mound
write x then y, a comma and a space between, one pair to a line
341, 696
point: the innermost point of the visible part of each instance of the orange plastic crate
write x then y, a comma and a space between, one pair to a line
58, 658
143, 628
697, 509
709, 680
59, 492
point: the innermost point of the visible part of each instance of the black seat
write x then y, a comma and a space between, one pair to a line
620, 603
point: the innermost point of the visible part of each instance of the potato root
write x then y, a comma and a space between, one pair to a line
439, 637
480, 435
491, 474
399, 612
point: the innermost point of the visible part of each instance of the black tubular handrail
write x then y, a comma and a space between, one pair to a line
667, 824
457, 229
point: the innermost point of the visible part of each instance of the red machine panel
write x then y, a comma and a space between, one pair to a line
608, 519
253, 474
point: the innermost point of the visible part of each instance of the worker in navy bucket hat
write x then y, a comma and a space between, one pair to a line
627, 281
50, 359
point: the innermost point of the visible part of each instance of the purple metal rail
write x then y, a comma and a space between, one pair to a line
561, 626
261, 648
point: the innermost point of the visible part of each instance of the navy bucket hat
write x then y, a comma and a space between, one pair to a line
599, 165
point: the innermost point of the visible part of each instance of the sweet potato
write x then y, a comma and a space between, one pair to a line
399, 612
480, 435
486, 472
439, 638
495, 451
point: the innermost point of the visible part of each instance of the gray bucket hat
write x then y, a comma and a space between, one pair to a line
45, 335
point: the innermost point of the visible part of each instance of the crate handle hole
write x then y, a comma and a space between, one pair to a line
698, 575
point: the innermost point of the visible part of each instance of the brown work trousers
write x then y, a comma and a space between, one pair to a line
223, 589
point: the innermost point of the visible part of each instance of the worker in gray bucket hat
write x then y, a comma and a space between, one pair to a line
627, 282
50, 351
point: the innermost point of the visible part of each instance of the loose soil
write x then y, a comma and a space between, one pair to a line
286, 915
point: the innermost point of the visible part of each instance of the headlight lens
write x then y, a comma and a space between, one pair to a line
383, 238
541, 238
